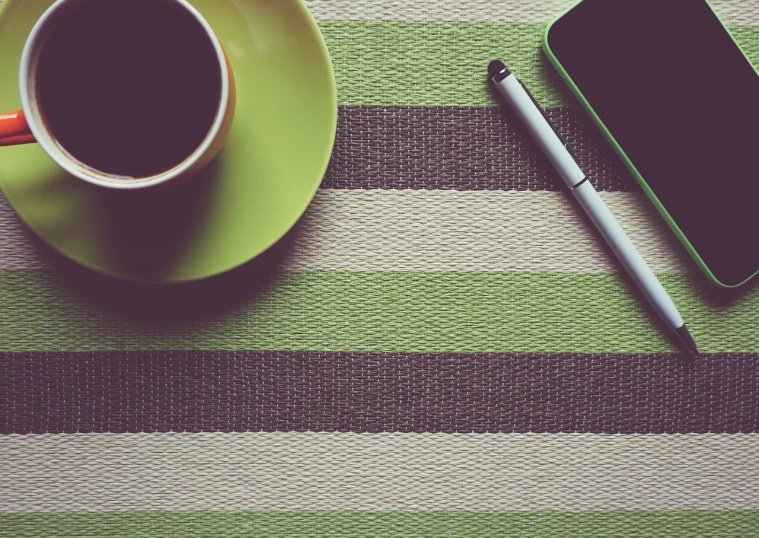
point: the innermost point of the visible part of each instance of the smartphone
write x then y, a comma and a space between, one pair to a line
678, 100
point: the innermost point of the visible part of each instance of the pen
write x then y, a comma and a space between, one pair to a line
554, 148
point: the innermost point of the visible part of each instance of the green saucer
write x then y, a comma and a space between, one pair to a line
243, 203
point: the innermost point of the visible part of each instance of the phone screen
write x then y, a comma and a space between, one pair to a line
679, 97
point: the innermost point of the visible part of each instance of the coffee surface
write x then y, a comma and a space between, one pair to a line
129, 87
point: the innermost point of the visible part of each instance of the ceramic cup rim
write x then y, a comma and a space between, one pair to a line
30, 105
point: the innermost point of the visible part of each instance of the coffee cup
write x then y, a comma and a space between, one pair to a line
123, 94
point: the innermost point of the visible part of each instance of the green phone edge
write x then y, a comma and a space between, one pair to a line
628, 163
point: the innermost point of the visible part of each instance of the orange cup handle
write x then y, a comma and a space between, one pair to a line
14, 129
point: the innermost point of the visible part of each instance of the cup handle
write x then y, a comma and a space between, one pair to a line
14, 129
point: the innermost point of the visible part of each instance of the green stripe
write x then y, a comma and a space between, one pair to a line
432, 64
445, 63
391, 524
386, 311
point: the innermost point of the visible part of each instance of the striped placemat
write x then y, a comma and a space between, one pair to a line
426, 354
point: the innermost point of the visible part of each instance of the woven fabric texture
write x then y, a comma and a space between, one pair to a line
428, 353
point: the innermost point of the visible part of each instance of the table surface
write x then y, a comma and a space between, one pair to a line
400, 364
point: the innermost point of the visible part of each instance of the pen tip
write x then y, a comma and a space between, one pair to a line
687, 339
496, 67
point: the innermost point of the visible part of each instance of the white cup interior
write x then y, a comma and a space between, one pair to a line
35, 43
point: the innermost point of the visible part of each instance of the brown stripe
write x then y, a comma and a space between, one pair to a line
281, 391
461, 148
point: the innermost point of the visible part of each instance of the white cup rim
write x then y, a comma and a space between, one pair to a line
72, 165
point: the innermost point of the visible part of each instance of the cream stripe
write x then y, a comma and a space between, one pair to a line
419, 472
470, 231
438, 10
384, 230
733, 12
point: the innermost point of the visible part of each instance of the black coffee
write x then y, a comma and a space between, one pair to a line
129, 87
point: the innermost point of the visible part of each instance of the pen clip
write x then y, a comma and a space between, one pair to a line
550, 123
